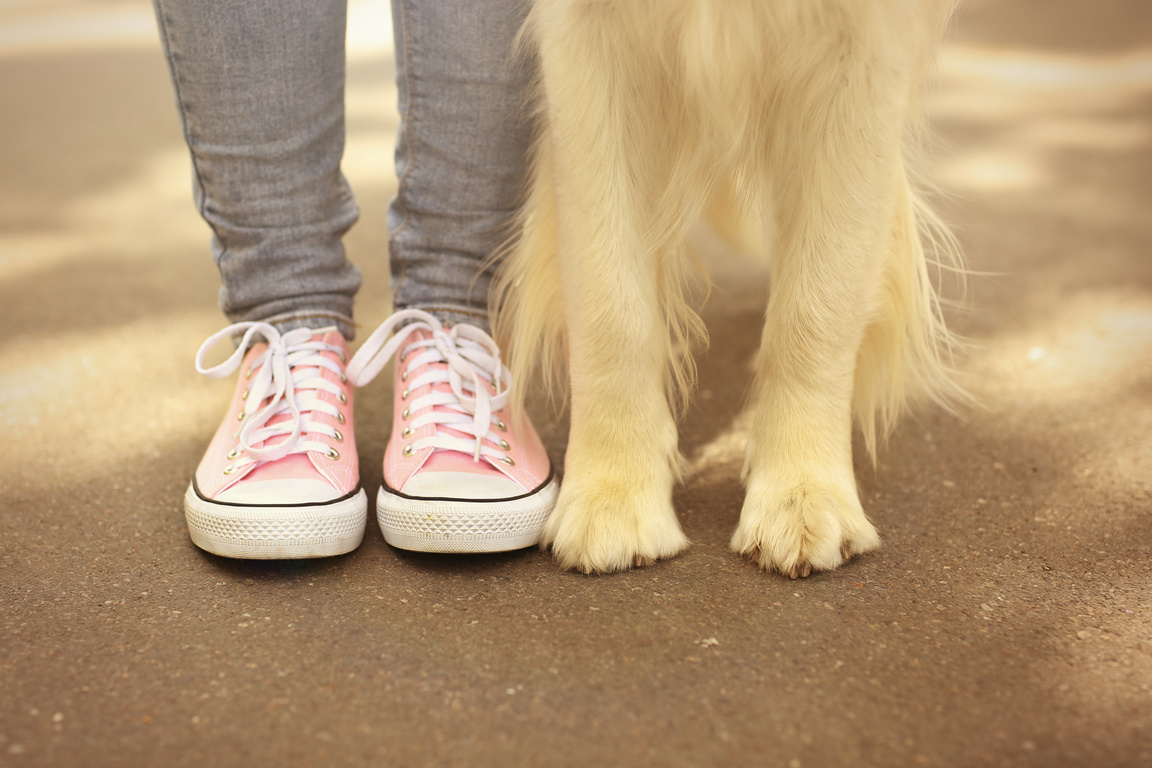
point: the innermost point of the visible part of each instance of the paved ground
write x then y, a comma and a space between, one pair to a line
1007, 620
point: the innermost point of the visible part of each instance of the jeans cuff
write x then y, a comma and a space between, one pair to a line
315, 319
452, 314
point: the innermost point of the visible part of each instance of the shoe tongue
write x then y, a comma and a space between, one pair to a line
446, 387
276, 439
284, 415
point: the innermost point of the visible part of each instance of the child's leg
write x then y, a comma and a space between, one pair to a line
460, 473
460, 153
260, 88
261, 94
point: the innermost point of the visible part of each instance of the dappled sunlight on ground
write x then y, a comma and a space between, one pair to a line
1041, 105
1096, 348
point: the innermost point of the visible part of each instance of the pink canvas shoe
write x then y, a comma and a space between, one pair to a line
460, 475
280, 478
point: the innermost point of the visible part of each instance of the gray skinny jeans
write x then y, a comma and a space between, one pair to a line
260, 88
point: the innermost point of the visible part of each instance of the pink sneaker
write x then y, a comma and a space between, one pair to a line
280, 478
459, 474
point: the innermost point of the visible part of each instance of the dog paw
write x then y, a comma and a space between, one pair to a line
806, 528
598, 528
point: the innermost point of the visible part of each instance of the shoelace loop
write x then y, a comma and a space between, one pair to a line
286, 378
472, 360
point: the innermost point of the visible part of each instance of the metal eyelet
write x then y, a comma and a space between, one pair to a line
407, 413
245, 395
233, 455
332, 453
343, 378
500, 425
240, 416
343, 398
407, 432
507, 461
248, 375
404, 375
337, 435
408, 451
229, 469
503, 445
340, 417
404, 394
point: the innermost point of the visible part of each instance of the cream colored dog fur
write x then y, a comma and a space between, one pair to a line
800, 112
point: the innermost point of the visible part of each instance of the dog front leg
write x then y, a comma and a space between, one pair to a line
615, 505
836, 190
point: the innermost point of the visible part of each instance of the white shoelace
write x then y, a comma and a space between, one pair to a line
288, 376
472, 361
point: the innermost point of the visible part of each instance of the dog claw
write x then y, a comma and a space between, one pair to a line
799, 571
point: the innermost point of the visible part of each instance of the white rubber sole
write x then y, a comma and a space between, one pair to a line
290, 532
461, 526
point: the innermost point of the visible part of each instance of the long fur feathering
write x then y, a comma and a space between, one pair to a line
784, 118
526, 297
906, 355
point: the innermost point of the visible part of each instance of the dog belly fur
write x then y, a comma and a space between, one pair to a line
796, 110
